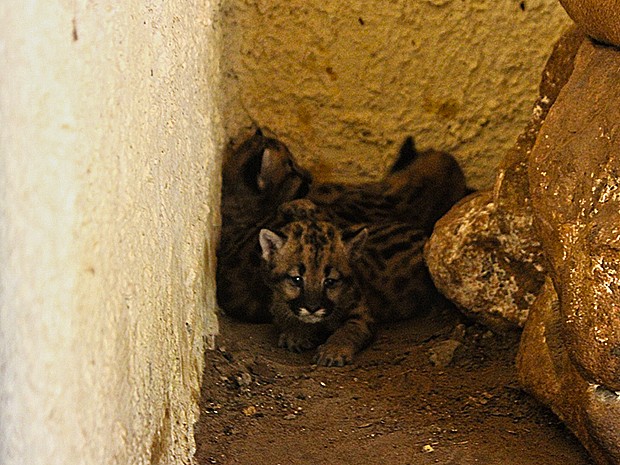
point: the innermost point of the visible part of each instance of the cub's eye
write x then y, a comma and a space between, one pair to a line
297, 281
329, 283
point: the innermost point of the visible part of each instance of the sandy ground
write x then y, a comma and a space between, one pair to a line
437, 389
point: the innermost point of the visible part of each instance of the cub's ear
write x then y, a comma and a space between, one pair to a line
355, 245
268, 168
406, 155
270, 243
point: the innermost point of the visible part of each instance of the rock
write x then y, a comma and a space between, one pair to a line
243, 379
250, 411
543, 246
575, 179
542, 359
492, 275
512, 189
263, 370
459, 332
569, 356
546, 371
598, 18
484, 254
442, 353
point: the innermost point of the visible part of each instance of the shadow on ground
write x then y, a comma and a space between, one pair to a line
262, 405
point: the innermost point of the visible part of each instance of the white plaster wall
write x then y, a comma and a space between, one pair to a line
344, 81
109, 206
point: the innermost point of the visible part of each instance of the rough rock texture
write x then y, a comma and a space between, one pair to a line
570, 352
546, 370
493, 276
575, 168
598, 18
484, 255
343, 82
109, 205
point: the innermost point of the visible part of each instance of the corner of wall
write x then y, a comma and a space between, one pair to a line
109, 174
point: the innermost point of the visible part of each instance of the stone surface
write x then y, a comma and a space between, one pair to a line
442, 354
574, 173
109, 194
492, 275
343, 83
511, 187
555, 203
484, 255
598, 18
546, 371
569, 357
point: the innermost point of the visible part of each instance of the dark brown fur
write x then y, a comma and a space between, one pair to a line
399, 212
257, 177
381, 274
391, 267
419, 189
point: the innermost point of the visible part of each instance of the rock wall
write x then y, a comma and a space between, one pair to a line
600, 18
342, 83
574, 173
484, 255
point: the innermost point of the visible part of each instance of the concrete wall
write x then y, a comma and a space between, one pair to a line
109, 201
343, 82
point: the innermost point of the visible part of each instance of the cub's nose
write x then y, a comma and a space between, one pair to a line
313, 308
315, 316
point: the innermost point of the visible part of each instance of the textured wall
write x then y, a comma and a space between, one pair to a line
343, 82
108, 189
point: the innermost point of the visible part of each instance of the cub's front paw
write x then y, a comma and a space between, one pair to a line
329, 355
296, 342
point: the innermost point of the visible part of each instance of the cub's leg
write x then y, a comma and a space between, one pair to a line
356, 332
297, 336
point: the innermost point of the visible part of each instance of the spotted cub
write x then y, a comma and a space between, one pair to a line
316, 298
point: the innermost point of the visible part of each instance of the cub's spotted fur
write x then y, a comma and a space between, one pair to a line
257, 177
396, 281
317, 299
398, 212
419, 188
327, 282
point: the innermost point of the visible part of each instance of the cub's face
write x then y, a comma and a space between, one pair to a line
264, 167
309, 268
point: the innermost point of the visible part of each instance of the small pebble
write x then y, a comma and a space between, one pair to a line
442, 354
244, 379
249, 411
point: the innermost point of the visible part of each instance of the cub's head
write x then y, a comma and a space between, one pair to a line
264, 168
309, 267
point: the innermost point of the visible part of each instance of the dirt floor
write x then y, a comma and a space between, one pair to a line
437, 389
